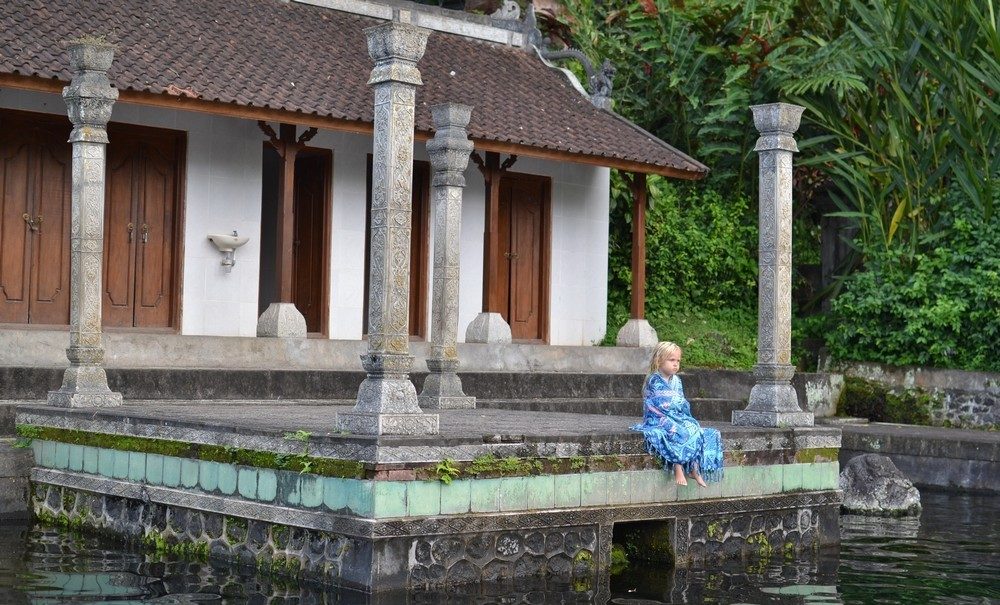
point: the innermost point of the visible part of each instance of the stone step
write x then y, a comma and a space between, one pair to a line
612, 390
702, 408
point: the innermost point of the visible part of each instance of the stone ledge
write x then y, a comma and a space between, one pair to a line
464, 433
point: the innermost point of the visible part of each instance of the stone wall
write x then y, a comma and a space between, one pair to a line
963, 399
570, 553
326, 557
15, 463
763, 534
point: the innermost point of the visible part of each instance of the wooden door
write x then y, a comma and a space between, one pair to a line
419, 234
312, 196
522, 278
35, 199
140, 228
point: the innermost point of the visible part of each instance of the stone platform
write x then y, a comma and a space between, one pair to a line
497, 495
935, 457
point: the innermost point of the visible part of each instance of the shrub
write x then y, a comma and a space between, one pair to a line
933, 309
864, 399
701, 250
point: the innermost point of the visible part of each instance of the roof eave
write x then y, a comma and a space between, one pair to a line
184, 103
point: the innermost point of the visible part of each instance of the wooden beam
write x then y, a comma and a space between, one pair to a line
185, 103
491, 243
288, 150
638, 186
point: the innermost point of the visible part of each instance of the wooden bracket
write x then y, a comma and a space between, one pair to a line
306, 136
267, 130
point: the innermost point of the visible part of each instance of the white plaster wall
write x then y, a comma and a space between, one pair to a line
579, 253
222, 190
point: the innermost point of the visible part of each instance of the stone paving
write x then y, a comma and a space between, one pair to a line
318, 417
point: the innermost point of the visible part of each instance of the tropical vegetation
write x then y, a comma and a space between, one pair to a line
899, 140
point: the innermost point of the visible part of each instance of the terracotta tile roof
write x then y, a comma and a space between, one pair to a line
313, 60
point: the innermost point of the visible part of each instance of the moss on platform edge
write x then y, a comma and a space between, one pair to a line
303, 462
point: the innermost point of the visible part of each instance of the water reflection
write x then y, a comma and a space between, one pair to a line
950, 555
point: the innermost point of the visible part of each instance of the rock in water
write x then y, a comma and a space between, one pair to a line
873, 486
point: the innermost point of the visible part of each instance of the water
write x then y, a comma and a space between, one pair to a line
950, 555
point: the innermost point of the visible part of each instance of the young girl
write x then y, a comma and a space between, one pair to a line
670, 430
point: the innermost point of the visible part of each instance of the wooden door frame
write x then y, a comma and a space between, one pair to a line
546, 252
324, 300
45, 120
180, 207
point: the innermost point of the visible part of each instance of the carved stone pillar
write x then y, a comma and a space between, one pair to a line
387, 399
89, 98
449, 151
772, 400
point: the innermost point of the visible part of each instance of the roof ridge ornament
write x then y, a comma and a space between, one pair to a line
600, 82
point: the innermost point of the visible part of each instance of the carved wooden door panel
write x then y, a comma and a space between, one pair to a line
312, 182
123, 180
522, 233
140, 228
155, 243
35, 199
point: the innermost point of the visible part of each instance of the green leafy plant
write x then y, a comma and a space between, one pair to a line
902, 102
446, 471
299, 435
26, 434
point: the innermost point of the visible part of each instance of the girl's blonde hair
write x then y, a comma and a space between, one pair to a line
662, 350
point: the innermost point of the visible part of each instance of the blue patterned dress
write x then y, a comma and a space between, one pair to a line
673, 434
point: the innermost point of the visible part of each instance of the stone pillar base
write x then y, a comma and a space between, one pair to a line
363, 423
489, 328
85, 387
637, 333
281, 320
772, 419
387, 401
443, 388
773, 401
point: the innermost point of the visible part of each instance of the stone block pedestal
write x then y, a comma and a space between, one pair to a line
488, 328
281, 320
637, 333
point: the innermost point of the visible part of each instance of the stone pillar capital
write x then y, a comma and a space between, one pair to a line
450, 148
396, 47
776, 123
90, 96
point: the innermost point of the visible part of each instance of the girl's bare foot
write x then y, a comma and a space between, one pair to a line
679, 475
699, 480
